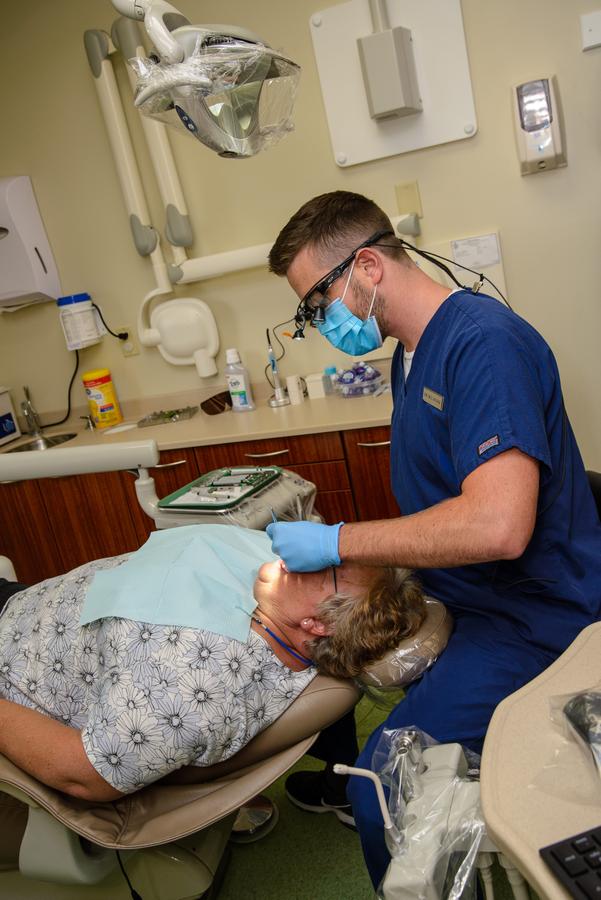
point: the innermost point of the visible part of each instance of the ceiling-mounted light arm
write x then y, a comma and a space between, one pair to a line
153, 13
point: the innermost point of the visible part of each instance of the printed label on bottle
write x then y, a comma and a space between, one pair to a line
237, 391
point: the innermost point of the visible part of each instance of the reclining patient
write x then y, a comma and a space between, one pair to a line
128, 668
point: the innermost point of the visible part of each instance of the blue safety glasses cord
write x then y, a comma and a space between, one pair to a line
311, 307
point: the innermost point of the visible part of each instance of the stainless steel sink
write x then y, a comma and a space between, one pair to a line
44, 442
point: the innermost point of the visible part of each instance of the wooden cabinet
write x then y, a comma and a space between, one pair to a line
89, 517
50, 526
368, 457
26, 536
317, 457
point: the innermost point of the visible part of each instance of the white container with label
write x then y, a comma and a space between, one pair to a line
79, 321
238, 382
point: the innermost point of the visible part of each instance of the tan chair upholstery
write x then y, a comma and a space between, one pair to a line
416, 654
194, 797
168, 810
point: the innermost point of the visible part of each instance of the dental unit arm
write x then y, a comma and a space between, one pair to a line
153, 13
134, 456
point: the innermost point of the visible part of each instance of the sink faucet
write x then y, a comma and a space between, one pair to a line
30, 415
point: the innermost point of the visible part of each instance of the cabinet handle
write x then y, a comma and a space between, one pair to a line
264, 455
376, 444
178, 462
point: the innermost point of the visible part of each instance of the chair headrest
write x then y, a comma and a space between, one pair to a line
413, 656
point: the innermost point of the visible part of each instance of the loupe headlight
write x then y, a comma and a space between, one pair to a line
313, 315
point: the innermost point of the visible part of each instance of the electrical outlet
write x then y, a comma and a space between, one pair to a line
129, 347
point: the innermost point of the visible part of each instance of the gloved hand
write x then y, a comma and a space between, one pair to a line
305, 546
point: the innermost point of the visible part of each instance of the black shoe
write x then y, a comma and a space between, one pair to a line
318, 792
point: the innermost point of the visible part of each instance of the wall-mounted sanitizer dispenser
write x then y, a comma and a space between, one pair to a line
538, 126
28, 273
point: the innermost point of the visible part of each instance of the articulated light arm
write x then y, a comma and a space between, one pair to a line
153, 13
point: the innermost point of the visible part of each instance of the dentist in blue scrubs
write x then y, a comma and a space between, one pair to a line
497, 513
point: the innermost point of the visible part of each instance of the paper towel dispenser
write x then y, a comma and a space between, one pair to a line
28, 273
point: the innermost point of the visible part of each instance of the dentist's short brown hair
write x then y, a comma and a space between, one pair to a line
333, 225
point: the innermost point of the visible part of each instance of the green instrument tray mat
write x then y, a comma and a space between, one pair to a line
221, 489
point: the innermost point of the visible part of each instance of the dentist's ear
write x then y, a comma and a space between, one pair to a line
314, 626
371, 265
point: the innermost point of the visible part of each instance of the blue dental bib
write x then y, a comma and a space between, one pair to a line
196, 576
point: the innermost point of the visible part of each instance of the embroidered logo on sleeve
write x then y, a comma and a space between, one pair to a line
431, 397
491, 442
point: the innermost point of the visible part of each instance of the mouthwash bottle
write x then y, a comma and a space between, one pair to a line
238, 382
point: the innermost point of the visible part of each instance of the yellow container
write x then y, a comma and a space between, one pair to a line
102, 399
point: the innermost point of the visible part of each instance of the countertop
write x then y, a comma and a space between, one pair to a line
332, 413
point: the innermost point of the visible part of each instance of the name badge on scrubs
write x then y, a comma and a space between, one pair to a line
434, 399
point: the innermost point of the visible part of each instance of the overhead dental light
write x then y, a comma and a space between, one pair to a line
219, 83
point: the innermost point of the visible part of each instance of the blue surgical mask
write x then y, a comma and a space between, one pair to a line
346, 331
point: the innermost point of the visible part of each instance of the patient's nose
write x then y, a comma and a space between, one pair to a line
269, 571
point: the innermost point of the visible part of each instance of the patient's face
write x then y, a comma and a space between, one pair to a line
297, 593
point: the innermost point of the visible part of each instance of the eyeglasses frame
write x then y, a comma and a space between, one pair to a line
305, 312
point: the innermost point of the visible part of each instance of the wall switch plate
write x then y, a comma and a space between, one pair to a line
441, 68
590, 25
408, 199
129, 347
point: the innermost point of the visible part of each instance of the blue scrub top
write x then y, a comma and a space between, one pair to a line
483, 381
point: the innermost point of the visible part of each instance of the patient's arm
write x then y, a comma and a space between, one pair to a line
51, 752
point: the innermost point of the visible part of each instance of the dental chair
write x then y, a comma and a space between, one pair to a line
172, 836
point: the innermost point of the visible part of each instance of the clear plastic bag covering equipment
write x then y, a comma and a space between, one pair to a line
570, 763
290, 498
434, 804
583, 712
415, 654
577, 717
233, 95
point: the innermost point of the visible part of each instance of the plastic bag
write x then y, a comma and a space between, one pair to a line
290, 498
561, 775
434, 804
234, 96
415, 656
583, 712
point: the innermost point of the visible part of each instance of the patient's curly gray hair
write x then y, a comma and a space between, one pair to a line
363, 629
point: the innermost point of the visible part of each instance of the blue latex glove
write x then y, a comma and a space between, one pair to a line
305, 546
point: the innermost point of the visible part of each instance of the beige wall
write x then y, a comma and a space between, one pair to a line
52, 131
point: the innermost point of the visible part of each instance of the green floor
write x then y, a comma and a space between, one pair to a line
307, 856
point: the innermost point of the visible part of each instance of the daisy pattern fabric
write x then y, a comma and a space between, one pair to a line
147, 698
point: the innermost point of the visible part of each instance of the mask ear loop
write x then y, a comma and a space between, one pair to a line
373, 296
373, 300
348, 281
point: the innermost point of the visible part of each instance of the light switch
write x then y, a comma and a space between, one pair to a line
590, 25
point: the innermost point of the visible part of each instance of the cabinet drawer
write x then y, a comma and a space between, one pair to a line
368, 457
336, 506
326, 476
283, 452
